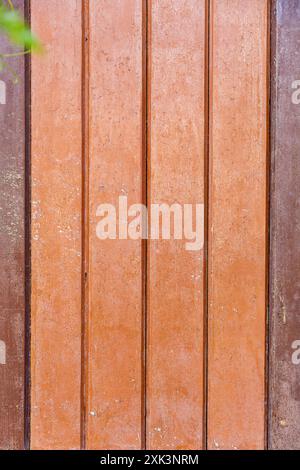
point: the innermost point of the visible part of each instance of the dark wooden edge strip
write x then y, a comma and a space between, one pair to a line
284, 298
12, 247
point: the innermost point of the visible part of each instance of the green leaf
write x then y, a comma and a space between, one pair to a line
15, 28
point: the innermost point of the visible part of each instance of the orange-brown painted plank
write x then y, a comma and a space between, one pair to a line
237, 224
176, 175
56, 227
12, 246
114, 313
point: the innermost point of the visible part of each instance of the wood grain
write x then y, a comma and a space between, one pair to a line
176, 175
284, 385
237, 224
12, 247
56, 226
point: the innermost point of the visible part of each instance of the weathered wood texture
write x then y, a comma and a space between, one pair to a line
12, 248
176, 175
114, 314
237, 224
56, 226
284, 384
146, 347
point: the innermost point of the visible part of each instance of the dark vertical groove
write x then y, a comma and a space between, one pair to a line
27, 219
145, 154
206, 220
272, 213
268, 215
85, 220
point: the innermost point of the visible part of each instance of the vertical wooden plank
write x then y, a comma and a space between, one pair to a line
284, 386
56, 226
12, 246
237, 224
114, 336
176, 175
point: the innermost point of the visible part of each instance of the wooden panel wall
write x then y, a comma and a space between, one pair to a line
176, 175
56, 227
284, 387
12, 247
237, 224
134, 342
